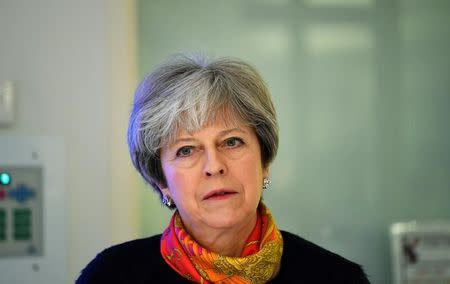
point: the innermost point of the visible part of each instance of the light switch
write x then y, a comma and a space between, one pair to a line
6, 103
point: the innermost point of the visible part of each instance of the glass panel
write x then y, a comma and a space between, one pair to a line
361, 90
335, 37
351, 3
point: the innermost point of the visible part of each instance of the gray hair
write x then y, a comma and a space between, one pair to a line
188, 92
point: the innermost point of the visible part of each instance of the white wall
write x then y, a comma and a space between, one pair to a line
73, 64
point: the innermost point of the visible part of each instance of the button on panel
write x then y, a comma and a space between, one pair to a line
22, 193
22, 224
2, 224
5, 178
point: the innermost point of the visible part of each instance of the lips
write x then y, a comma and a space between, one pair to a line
219, 193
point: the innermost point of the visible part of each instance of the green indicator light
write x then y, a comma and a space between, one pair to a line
5, 178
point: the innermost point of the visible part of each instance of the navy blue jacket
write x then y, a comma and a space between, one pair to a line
140, 261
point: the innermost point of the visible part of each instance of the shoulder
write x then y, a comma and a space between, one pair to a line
137, 261
307, 261
131, 252
135, 249
303, 250
134, 246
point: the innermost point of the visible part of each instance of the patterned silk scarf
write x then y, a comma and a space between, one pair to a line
258, 263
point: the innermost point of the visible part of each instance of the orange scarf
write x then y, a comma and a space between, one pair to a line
258, 263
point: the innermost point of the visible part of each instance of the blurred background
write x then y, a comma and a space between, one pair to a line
361, 88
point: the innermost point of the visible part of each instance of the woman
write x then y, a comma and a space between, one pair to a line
203, 135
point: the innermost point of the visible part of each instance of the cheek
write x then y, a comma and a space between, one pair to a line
170, 175
177, 180
250, 174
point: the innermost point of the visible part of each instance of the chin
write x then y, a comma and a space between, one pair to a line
221, 220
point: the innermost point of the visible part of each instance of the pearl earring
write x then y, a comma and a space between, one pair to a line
266, 183
167, 201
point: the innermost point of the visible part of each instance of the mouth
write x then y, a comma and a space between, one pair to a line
219, 194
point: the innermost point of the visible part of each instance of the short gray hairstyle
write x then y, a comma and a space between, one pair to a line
188, 92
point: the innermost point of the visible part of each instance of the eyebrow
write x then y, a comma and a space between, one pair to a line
221, 134
237, 129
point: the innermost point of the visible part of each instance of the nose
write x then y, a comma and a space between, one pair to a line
214, 164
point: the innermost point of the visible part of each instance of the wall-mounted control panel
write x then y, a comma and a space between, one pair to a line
21, 224
32, 210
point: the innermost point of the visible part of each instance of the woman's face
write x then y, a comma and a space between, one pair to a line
214, 175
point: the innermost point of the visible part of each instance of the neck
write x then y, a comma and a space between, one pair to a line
224, 241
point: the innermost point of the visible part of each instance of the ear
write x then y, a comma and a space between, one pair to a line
266, 172
163, 188
165, 191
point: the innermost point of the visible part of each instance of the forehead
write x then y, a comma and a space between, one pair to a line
189, 123
218, 126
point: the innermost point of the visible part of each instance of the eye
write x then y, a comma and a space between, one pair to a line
185, 151
233, 142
